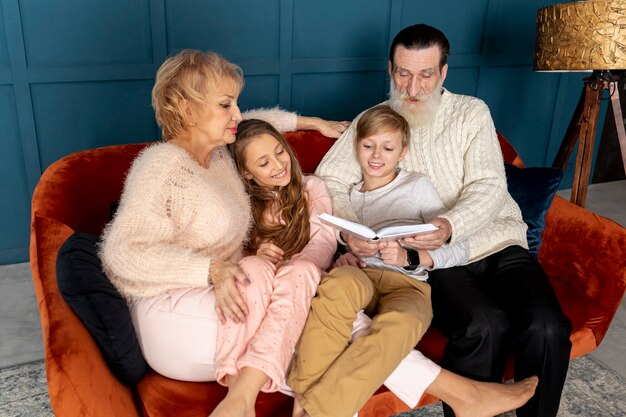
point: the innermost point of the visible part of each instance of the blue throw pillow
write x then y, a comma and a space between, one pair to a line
99, 306
533, 189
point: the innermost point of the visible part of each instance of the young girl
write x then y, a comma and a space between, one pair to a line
292, 248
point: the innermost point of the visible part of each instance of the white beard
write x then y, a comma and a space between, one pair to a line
417, 117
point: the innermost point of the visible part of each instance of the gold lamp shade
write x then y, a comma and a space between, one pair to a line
581, 36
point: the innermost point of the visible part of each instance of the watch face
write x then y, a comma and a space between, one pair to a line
414, 258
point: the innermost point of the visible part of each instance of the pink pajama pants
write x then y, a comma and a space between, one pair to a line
278, 302
181, 337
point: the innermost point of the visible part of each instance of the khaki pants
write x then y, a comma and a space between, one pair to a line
335, 378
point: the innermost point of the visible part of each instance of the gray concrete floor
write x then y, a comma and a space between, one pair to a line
20, 329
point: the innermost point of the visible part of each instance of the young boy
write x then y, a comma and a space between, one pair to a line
390, 196
387, 284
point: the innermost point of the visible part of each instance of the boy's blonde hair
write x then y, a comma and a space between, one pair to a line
382, 119
188, 76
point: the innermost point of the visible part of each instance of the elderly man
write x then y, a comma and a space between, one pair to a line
501, 300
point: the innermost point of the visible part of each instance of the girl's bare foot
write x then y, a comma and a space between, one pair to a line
242, 393
231, 406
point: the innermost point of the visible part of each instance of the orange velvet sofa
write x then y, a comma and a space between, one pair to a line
582, 253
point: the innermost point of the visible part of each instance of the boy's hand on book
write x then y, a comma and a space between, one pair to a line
271, 252
348, 259
392, 253
361, 248
432, 240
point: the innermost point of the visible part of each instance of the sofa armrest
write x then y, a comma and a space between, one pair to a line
79, 381
587, 252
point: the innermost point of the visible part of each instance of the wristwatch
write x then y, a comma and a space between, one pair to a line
413, 258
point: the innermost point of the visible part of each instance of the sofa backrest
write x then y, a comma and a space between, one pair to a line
78, 190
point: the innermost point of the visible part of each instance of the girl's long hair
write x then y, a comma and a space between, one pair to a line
292, 201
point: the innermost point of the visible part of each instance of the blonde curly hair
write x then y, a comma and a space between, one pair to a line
184, 80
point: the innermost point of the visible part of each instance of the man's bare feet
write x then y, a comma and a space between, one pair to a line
487, 399
470, 398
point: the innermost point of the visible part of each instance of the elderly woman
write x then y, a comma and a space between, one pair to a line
174, 248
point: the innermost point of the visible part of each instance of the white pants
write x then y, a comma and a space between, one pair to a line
177, 332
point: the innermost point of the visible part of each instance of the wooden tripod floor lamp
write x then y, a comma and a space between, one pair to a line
585, 36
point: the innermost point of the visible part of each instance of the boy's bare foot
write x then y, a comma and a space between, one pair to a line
487, 399
298, 411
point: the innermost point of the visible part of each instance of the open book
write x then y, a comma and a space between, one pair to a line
364, 232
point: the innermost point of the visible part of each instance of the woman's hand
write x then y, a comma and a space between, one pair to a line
432, 240
229, 304
392, 253
329, 128
361, 248
271, 252
348, 259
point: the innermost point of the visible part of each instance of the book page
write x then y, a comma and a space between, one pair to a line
397, 232
347, 226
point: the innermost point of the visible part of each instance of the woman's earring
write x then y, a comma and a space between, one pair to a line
192, 124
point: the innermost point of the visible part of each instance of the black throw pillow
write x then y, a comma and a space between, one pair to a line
96, 302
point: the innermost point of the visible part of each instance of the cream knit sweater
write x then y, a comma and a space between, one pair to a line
174, 218
461, 156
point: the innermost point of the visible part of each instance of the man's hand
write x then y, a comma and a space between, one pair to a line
348, 259
229, 304
432, 240
361, 248
393, 254
329, 128
271, 252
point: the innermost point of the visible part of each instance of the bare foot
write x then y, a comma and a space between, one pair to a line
231, 406
298, 411
242, 393
487, 399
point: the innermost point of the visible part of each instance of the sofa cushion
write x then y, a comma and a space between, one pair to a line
160, 396
533, 189
99, 306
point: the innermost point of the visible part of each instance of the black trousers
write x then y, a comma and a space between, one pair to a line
500, 304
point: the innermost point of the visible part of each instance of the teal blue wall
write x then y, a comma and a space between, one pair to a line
77, 74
